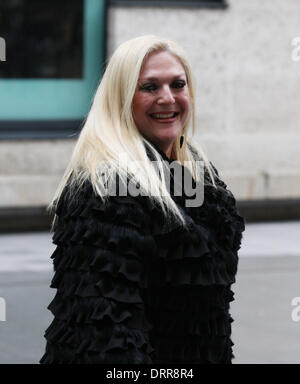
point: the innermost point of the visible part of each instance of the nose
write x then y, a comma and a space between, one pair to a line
166, 96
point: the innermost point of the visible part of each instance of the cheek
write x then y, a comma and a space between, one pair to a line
186, 103
140, 106
141, 102
186, 106
146, 103
185, 98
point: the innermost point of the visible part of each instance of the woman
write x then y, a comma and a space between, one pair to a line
142, 277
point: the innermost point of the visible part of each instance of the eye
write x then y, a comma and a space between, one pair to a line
178, 84
149, 87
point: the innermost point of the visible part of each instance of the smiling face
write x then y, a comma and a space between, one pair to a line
161, 103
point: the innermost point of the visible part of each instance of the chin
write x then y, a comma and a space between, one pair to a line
169, 134
168, 140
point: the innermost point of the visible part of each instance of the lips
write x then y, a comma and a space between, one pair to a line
164, 116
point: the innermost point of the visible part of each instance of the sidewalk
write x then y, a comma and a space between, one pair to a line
271, 239
31, 252
267, 281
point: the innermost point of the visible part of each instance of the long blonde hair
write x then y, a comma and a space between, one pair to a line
110, 129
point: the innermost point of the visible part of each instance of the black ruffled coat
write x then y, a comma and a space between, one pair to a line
132, 288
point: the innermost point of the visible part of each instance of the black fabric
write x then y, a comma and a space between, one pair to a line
132, 287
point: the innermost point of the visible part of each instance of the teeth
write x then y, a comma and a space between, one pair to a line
163, 115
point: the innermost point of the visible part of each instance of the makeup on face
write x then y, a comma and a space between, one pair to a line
161, 103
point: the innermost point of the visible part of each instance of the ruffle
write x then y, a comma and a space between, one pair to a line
96, 337
193, 349
206, 301
106, 342
98, 264
89, 310
197, 324
133, 287
100, 271
194, 257
66, 355
199, 313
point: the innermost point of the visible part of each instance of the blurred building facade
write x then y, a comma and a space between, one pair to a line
248, 91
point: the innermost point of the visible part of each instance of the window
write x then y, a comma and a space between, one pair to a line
45, 39
54, 58
172, 3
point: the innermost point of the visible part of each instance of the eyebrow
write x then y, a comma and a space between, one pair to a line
157, 79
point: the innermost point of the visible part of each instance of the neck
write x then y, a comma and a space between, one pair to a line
166, 150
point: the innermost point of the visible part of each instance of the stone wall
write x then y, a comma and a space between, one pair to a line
30, 171
248, 87
248, 95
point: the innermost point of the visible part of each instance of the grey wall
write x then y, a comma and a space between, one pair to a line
248, 92
248, 87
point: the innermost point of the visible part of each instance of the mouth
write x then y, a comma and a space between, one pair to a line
164, 117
